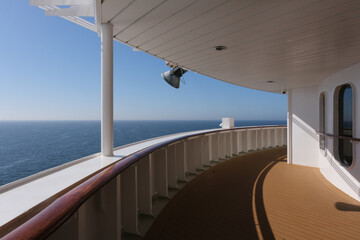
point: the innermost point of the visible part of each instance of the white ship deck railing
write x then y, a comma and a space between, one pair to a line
107, 203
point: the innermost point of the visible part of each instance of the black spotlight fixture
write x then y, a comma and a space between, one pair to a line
173, 76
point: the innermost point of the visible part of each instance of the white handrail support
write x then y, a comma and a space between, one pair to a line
107, 120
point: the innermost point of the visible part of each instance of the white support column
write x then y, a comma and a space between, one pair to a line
107, 120
289, 128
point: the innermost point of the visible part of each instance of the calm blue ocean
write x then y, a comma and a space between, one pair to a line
28, 147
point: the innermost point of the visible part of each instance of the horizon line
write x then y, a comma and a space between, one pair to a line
98, 120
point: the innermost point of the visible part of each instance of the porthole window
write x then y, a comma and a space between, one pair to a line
345, 124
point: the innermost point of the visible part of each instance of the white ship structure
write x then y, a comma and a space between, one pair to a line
299, 181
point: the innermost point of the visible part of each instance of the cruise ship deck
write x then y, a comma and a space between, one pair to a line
308, 50
258, 196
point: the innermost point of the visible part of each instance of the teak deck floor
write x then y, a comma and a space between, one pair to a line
259, 196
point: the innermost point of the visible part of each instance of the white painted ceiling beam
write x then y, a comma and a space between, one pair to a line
97, 13
82, 10
59, 2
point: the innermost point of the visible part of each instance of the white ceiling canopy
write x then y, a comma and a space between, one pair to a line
270, 45
71, 10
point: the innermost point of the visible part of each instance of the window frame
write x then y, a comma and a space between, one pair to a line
322, 120
337, 118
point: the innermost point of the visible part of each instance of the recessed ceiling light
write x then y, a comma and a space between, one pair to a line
220, 48
270, 81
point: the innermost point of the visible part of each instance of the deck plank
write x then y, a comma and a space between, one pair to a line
258, 196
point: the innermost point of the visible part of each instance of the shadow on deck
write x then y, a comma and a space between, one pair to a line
258, 196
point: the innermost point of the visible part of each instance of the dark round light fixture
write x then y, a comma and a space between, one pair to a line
270, 81
220, 48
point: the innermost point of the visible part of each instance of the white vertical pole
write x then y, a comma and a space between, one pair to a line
289, 127
107, 120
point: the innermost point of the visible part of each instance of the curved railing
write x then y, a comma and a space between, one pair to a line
338, 137
123, 190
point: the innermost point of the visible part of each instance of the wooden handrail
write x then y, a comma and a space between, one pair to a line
339, 137
53, 216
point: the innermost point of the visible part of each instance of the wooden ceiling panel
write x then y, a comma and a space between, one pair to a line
110, 8
183, 16
294, 43
223, 25
157, 16
134, 12
315, 44
295, 20
207, 20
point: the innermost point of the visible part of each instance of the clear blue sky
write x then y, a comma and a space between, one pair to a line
50, 70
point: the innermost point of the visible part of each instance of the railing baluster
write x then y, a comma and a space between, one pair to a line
277, 137
280, 137
110, 211
214, 147
259, 144
171, 166
256, 140
159, 160
228, 144
242, 140
198, 153
190, 156
284, 136
69, 230
118, 207
248, 141
264, 137
272, 138
234, 141
129, 201
251, 140
181, 160
144, 186
206, 148
222, 146
87, 219
196, 149
98, 217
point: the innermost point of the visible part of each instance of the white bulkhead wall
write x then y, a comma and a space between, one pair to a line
305, 122
345, 178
